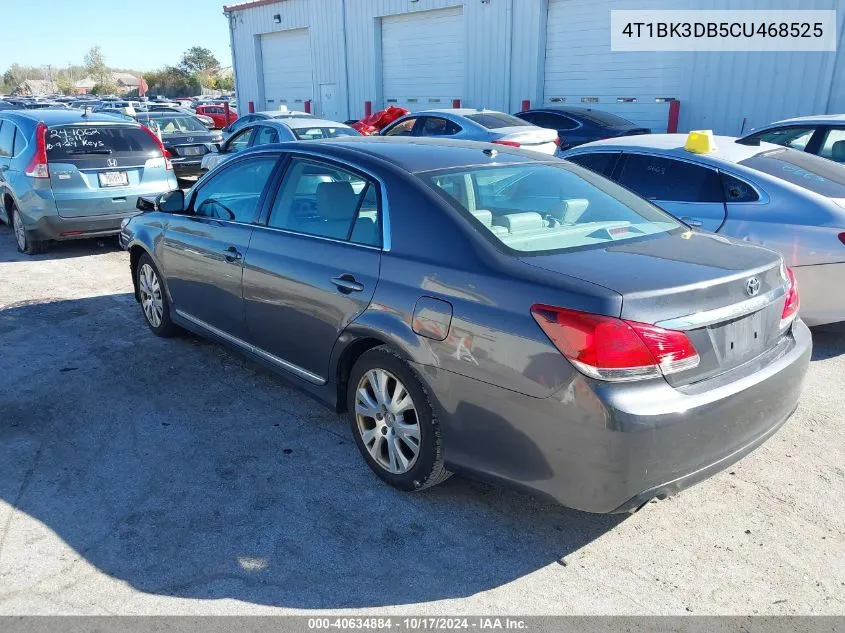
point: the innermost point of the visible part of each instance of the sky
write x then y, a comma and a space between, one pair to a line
143, 35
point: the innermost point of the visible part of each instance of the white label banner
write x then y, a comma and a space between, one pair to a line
723, 30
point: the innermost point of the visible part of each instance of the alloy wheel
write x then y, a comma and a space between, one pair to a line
151, 298
20, 231
387, 421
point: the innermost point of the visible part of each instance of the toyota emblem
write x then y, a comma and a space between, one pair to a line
752, 286
111, 162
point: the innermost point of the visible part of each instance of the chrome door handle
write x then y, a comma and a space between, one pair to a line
232, 254
691, 222
347, 283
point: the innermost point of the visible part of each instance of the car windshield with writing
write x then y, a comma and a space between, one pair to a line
313, 133
177, 124
546, 208
67, 143
496, 120
810, 172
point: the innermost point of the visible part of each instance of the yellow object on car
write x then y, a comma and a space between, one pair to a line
700, 142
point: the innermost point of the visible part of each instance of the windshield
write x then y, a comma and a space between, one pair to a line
494, 120
540, 207
312, 133
810, 172
177, 124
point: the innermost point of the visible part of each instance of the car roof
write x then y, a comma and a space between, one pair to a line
457, 111
416, 154
814, 118
727, 149
63, 116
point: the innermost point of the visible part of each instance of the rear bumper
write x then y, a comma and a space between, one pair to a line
58, 228
822, 300
187, 167
603, 447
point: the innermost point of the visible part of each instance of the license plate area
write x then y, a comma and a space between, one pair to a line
741, 339
192, 150
113, 178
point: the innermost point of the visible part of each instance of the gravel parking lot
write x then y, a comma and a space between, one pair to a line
148, 476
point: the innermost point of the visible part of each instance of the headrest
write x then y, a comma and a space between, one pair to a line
518, 222
483, 216
336, 200
837, 152
569, 211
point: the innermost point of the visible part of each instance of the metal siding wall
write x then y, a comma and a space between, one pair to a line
527, 53
722, 88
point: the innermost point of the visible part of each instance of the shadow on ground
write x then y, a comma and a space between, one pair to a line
184, 470
828, 341
57, 250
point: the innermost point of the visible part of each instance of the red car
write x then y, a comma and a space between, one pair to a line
218, 113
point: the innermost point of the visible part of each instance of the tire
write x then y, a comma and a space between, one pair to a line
154, 304
386, 441
23, 240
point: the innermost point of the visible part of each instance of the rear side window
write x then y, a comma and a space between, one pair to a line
313, 133
833, 146
657, 178
495, 120
599, 162
815, 174
65, 142
549, 120
7, 138
737, 190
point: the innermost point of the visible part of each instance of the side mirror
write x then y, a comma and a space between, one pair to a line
170, 202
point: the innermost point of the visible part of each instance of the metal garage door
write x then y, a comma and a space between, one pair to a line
286, 59
582, 72
423, 58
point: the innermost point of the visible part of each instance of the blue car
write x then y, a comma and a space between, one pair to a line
66, 174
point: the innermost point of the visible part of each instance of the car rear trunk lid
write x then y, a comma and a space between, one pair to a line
526, 136
93, 167
727, 297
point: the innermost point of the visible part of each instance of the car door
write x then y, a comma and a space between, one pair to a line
313, 264
202, 250
689, 191
7, 144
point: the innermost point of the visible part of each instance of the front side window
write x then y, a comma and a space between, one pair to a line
435, 126
833, 145
549, 120
314, 133
403, 128
240, 141
233, 194
658, 178
327, 201
808, 171
599, 162
266, 135
537, 207
794, 137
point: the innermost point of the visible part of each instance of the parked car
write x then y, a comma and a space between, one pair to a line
207, 121
476, 125
253, 117
185, 139
763, 194
66, 175
8, 105
268, 131
580, 125
218, 114
591, 349
823, 135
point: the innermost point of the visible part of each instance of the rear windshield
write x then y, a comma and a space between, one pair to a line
542, 207
815, 174
494, 120
603, 118
177, 124
313, 133
65, 142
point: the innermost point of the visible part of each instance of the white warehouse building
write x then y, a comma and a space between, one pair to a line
334, 56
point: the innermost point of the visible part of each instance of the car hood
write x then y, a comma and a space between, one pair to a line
671, 274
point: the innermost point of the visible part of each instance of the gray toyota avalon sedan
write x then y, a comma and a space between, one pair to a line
482, 310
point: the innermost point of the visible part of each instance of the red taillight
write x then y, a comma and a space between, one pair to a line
164, 152
37, 167
613, 349
557, 141
793, 301
508, 143
842, 237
